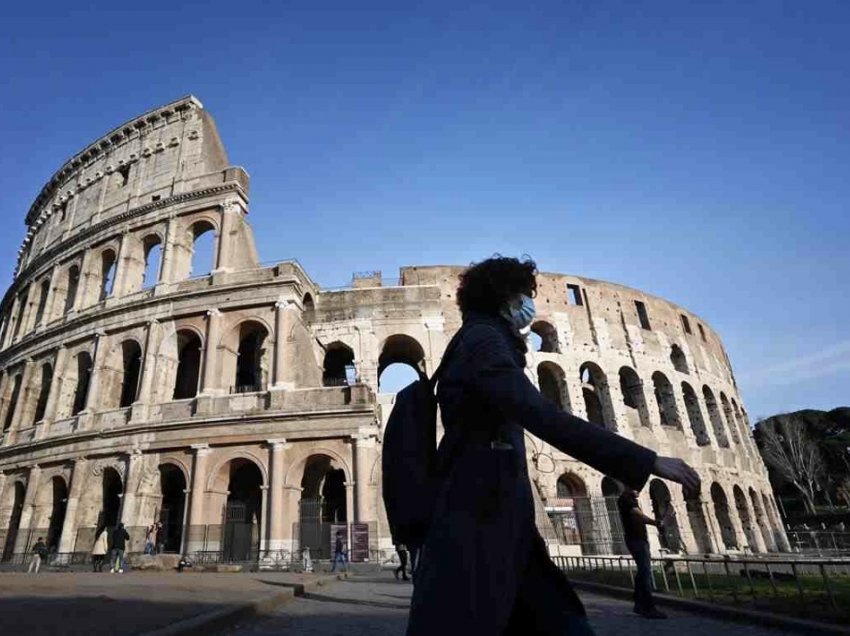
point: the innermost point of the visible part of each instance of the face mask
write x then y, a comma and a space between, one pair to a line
521, 317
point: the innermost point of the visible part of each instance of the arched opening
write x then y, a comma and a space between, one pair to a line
107, 274
631, 386
188, 365
111, 488
338, 368
172, 485
13, 402
668, 533
43, 291
43, 392
744, 516
571, 513
131, 354
57, 511
597, 400
666, 400
203, 259
762, 522
15, 501
678, 359
152, 246
252, 358
695, 415
242, 520
699, 525
401, 362
546, 340
746, 434
721, 513
553, 384
73, 283
309, 305
730, 418
19, 314
714, 416
609, 525
81, 390
323, 504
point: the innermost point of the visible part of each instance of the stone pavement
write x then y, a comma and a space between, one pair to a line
378, 605
89, 604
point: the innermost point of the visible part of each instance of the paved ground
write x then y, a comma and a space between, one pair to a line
377, 606
88, 604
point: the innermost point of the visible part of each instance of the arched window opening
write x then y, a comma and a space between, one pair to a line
188, 365
203, 249
695, 415
597, 400
744, 516
131, 354
73, 286
730, 418
678, 359
553, 384
714, 416
19, 316
153, 261
571, 515
338, 368
107, 274
251, 359
81, 391
740, 424
15, 500
668, 533
43, 392
609, 524
322, 504
546, 340
57, 511
569, 486
631, 386
699, 525
111, 488
721, 512
309, 305
173, 489
43, 291
401, 362
666, 400
13, 402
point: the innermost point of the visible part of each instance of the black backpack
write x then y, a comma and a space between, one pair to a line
409, 458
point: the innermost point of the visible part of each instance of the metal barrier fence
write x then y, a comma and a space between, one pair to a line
812, 588
821, 543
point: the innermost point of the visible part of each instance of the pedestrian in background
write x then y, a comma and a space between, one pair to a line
401, 549
339, 553
39, 552
150, 539
119, 544
99, 550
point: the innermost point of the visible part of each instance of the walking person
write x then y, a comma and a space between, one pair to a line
401, 549
39, 552
634, 532
339, 553
150, 539
484, 568
119, 544
99, 550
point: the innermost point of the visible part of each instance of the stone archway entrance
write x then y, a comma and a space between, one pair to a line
16, 503
173, 489
242, 512
323, 504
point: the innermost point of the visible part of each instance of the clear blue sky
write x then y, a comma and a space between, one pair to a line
698, 152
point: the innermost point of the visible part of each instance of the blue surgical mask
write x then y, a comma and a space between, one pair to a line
522, 316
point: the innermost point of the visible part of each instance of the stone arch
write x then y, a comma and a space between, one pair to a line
634, 398
714, 416
246, 356
666, 401
187, 374
662, 501
237, 490
570, 485
203, 241
678, 359
744, 516
100, 502
572, 517
721, 513
548, 335
338, 366
553, 385
173, 483
120, 374
695, 415
214, 481
607, 524
12, 508
401, 349
730, 418
296, 469
14, 397
323, 502
743, 429
108, 263
761, 521
45, 381
43, 292
308, 304
55, 509
597, 396
152, 260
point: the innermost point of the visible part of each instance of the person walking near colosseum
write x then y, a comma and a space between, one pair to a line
99, 550
39, 552
484, 568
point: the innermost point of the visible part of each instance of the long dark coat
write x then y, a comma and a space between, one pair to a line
483, 531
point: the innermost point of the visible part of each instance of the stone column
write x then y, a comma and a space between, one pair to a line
264, 510
283, 324
21, 544
706, 420
167, 268
196, 506
365, 445
4, 400
23, 399
229, 211
349, 508
291, 499
47, 314
92, 397
69, 526
59, 363
208, 385
122, 265
683, 522
277, 514
84, 283
131, 487
139, 410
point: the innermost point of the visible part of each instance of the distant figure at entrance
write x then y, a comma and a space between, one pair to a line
634, 531
119, 543
401, 549
99, 550
39, 552
339, 553
484, 568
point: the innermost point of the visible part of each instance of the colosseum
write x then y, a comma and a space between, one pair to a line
240, 403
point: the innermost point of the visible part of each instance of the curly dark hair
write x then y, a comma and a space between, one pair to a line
485, 287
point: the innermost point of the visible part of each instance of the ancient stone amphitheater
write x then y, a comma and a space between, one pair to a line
240, 404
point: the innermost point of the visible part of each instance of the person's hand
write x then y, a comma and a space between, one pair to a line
678, 470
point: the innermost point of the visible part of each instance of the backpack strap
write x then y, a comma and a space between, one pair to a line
453, 344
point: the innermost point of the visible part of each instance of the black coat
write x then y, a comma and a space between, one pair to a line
483, 530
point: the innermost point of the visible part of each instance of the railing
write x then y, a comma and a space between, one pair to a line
812, 588
820, 543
